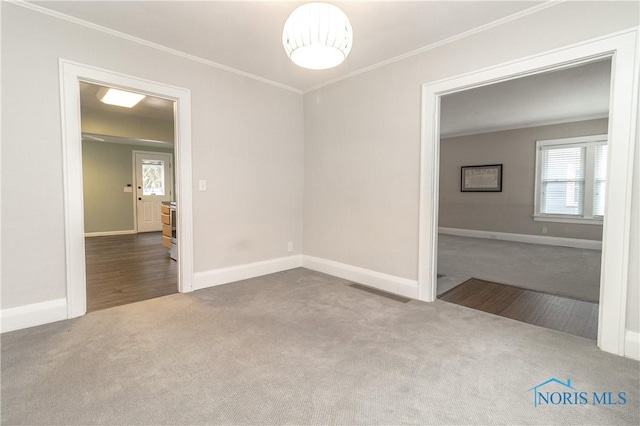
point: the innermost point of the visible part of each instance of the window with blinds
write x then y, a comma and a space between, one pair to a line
600, 182
571, 178
563, 181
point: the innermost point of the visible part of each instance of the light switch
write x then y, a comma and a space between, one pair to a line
202, 185
128, 189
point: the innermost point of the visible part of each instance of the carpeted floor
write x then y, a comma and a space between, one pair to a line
564, 271
300, 347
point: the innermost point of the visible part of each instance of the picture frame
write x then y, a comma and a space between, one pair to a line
484, 178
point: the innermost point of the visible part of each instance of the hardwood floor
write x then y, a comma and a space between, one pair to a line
546, 310
124, 269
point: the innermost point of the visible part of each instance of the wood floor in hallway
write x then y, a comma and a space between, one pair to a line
560, 313
124, 269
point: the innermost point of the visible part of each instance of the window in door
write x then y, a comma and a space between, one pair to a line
153, 177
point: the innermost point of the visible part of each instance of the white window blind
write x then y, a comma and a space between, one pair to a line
563, 181
571, 179
600, 180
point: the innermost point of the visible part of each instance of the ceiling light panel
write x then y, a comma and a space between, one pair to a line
118, 97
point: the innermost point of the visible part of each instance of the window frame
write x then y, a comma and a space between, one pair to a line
587, 216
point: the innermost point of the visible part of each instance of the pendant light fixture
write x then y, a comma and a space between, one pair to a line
317, 36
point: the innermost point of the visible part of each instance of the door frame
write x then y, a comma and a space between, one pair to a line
135, 180
71, 74
621, 48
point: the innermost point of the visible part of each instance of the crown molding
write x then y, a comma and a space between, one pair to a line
481, 28
148, 43
493, 24
524, 126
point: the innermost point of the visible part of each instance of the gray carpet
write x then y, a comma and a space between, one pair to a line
564, 271
300, 347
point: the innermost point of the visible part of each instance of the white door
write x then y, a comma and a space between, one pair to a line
154, 184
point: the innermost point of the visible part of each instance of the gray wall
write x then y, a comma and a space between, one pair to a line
107, 168
247, 142
359, 161
362, 138
510, 210
128, 126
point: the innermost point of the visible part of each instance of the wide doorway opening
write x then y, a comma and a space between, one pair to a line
621, 130
522, 187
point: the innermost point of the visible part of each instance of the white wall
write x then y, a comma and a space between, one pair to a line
362, 138
247, 140
633, 295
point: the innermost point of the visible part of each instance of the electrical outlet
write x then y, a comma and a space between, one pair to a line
290, 246
544, 229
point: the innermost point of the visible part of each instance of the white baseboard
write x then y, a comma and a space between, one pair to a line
391, 283
242, 272
108, 233
524, 238
632, 345
35, 314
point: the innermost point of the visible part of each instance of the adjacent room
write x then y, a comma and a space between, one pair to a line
526, 243
275, 232
128, 175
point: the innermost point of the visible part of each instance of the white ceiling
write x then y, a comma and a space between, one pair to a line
246, 36
152, 107
567, 95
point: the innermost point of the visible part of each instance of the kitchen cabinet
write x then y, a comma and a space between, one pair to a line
165, 211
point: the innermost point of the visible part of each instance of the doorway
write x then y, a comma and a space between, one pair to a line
153, 187
503, 246
615, 256
71, 75
125, 188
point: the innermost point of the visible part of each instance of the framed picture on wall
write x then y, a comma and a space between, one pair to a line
487, 178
